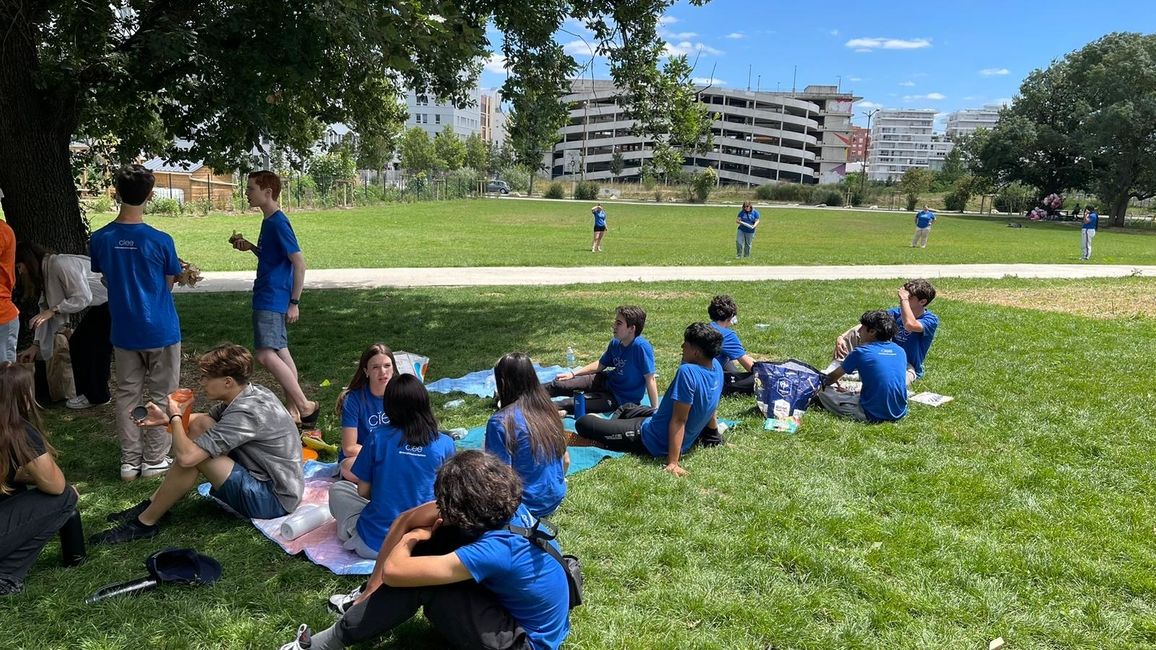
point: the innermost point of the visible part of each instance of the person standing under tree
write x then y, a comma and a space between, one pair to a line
923, 221
599, 228
748, 220
1088, 231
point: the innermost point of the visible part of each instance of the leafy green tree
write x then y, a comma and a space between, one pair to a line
331, 168
417, 152
953, 168
666, 107
215, 81
477, 153
915, 181
450, 149
617, 164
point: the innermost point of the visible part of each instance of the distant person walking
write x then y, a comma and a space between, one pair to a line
1088, 231
747, 220
923, 222
599, 228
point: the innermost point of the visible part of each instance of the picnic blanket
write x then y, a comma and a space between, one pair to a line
481, 382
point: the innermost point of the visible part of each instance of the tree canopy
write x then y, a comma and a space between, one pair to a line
213, 81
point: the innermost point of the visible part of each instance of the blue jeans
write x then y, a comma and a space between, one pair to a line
249, 496
269, 330
8, 333
743, 243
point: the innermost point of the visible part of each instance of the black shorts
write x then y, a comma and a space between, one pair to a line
599, 228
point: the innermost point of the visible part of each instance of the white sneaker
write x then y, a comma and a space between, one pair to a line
79, 402
340, 603
129, 472
148, 470
303, 640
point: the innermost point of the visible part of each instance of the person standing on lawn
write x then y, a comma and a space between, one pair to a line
747, 221
923, 220
882, 368
140, 265
276, 291
66, 285
1088, 231
599, 228
9, 314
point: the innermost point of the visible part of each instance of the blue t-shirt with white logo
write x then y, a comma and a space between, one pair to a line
732, 347
1093, 221
882, 366
274, 284
924, 219
599, 218
363, 411
401, 477
135, 258
748, 220
528, 583
627, 368
915, 345
694, 385
543, 481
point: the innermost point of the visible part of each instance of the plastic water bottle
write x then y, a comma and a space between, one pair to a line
571, 360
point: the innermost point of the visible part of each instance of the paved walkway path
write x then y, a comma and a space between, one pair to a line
548, 275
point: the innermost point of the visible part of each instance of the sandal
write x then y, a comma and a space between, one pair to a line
310, 420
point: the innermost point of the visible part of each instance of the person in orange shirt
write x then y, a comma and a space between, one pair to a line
9, 314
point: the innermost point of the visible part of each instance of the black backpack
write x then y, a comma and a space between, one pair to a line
540, 535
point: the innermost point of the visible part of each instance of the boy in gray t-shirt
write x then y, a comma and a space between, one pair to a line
246, 446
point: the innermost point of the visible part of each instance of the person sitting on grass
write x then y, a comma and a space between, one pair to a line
915, 328
724, 314
28, 518
686, 413
629, 365
360, 405
496, 590
394, 471
247, 446
882, 367
527, 433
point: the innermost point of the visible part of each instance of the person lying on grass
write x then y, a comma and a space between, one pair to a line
246, 446
394, 471
479, 584
623, 374
686, 413
882, 367
527, 433
915, 328
360, 405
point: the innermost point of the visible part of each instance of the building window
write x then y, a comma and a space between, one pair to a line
437, 118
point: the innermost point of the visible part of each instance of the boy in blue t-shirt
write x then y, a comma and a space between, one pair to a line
686, 413
140, 265
881, 365
479, 584
1088, 231
623, 374
599, 228
923, 220
916, 326
737, 365
277, 290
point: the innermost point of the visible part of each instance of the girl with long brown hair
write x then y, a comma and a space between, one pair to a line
527, 434
360, 406
28, 517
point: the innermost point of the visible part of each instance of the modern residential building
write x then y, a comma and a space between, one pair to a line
432, 116
857, 147
965, 122
903, 139
759, 137
492, 118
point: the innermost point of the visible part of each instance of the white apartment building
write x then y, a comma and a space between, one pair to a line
966, 121
759, 137
904, 139
432, 116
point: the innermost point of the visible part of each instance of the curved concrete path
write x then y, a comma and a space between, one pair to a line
548, 275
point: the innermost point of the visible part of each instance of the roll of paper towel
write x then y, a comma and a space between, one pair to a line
303, 520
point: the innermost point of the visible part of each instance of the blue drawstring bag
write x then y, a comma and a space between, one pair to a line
783, 390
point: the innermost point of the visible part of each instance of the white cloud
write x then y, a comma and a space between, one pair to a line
734, 36
854, 78
667, 20
496, 63
834, 32
994, 72
579, 47
1003, 101
907, 83
686, 47
934, 97
707, 81
679, 36
868, 105
870, 44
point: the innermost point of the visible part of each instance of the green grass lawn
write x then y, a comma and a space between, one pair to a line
1024, 509
545, 233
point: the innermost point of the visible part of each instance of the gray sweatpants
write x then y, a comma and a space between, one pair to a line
346, 505
142, 376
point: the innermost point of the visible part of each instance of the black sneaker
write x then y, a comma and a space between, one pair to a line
10, 586
132, 513
125, 532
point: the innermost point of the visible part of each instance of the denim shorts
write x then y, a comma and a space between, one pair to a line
269, 330
249, 496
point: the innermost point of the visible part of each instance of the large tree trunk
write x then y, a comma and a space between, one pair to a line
40, 201
1120, 208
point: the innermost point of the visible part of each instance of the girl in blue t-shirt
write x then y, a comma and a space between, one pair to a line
527, 434
395, 470
360, 406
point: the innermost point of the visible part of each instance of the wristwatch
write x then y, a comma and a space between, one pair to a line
294, 301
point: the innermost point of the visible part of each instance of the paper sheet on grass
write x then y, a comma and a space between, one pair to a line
930, 399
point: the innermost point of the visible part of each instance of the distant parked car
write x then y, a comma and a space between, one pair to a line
497, 187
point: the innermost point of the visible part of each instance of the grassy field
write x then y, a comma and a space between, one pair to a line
1024, 509
546, 233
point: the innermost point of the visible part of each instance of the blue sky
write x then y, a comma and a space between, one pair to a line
931, 54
